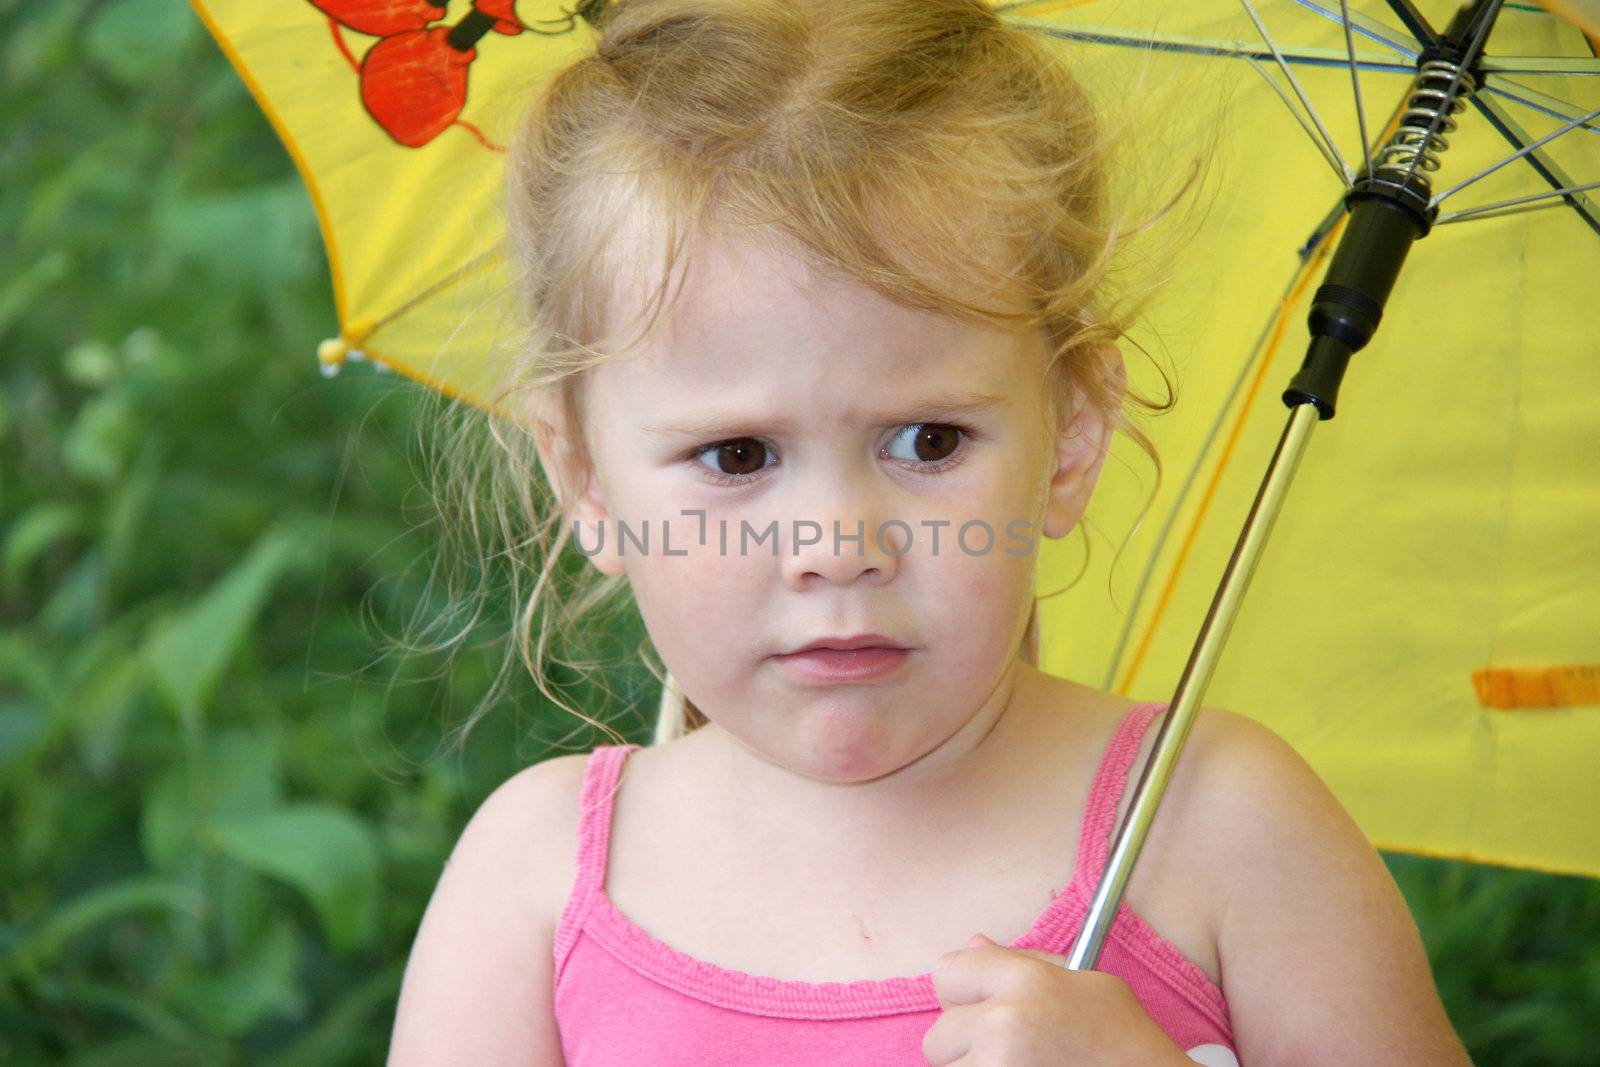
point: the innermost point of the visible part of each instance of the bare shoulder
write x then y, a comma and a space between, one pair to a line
482, 956
1320, 958
531, 822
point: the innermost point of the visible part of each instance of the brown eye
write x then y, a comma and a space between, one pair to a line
740, 457
930, 442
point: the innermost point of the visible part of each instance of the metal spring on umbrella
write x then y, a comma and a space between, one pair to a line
1420, 138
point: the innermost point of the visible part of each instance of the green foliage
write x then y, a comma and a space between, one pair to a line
1516, 957
330, 856
224, 798
220, 828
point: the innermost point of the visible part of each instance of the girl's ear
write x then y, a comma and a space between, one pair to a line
1081, 446
577, 496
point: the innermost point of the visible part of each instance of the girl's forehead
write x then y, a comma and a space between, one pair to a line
746, 309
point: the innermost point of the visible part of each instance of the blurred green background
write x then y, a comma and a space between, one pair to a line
225, 793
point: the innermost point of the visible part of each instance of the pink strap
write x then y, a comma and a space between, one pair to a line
1110, 779
601, 773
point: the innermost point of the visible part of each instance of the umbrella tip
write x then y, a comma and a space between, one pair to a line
333, 353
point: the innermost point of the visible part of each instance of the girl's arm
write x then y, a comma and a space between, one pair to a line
477, 987
1321, 961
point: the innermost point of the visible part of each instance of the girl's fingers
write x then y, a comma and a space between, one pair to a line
970, 975
950, 1037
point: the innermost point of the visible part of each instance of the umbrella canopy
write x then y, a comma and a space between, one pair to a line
1424, 627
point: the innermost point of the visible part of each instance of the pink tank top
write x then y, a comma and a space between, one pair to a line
623, 997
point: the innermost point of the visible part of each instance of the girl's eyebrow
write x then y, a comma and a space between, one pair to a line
706, 424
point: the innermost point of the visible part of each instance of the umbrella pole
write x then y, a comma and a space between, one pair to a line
1180, 713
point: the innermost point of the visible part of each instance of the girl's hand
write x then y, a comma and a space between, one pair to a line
1005, 1007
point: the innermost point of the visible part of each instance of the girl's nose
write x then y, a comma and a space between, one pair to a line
856, 539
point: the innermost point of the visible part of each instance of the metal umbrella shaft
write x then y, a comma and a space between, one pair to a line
1390, 208
1197, 673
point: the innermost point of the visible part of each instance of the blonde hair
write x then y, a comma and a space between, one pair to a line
922, 148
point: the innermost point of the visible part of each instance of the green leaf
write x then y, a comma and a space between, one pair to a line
22, 725
243, 769
91, 364
124, 518
140, 1009
260, 985
327, 854
240, 775
269, 218
103, 435
141, 1050
100, 710
39, 529
23, 658
165, 819
189, 650
77, 607
17, 293
42, 944
132, 39
347, 1033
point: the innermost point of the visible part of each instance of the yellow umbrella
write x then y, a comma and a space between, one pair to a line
1424, 627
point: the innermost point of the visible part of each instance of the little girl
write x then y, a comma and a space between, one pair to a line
821, 350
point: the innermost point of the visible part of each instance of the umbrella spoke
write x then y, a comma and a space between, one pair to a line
1335, 162
1425, 34
1247, 382
1331, 151
1491, 210
1546, 167
1518, 154
1544, 205
1355, 83
1208, 46
1584, 66
1369, 28
1536, 101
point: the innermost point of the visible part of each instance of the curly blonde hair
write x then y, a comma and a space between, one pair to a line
923, 148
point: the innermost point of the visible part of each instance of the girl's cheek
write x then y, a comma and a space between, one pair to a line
980, 588
994, 581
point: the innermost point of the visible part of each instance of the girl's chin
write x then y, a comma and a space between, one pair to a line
846, 745
841, 738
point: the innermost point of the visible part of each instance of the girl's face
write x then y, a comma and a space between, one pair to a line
771, 409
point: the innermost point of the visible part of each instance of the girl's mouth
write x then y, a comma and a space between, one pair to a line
833, 665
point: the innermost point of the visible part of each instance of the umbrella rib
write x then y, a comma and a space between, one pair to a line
471, 266
1355, 83
1534, 100
1312, 253
1246, 383
1211, 46
1426, 35
1371, 29
1500, 214
1518, 154
1326, 141
1496, 208
1585, 66
1547, 168
1336, 163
